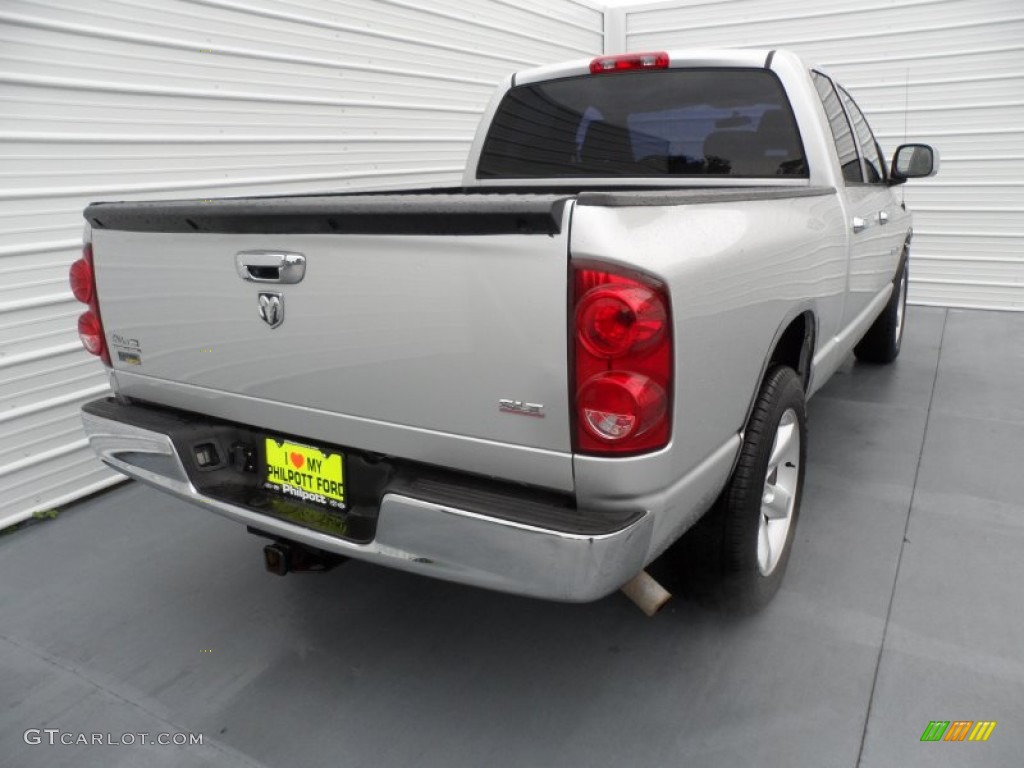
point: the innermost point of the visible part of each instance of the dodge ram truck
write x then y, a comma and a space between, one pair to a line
535, 382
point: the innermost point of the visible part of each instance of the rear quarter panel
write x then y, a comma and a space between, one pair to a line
737, 273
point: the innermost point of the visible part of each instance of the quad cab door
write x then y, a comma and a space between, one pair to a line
877, 222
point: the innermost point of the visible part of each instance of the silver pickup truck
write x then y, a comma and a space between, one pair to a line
535, 382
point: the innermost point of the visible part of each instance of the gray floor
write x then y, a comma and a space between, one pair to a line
902, 604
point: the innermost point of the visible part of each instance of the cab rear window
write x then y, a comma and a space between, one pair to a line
683, 122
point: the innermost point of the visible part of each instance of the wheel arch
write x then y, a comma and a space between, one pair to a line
793, 345
905, 251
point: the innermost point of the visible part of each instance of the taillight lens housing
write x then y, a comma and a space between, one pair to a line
82, 277
91, 332
82, 280
622, 361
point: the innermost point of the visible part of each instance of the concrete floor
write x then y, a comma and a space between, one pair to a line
134, 613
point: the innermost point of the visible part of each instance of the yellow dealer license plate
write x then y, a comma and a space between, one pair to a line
304, 473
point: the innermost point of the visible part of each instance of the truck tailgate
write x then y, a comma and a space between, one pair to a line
419, 333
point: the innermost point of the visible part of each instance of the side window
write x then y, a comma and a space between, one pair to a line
873, 162
842, 133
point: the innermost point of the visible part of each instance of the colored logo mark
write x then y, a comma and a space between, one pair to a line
958, 730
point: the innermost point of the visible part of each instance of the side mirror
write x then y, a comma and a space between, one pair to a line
914, 161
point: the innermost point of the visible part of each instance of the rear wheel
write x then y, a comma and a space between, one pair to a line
881, 344
737, 553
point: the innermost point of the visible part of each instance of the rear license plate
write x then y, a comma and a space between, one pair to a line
304, 473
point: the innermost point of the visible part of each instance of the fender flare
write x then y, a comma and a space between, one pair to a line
808, 311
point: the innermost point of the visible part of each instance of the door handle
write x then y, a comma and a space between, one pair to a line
883, 217
859, 225
270, 266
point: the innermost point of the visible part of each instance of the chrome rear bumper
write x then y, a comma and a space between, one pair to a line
413, 534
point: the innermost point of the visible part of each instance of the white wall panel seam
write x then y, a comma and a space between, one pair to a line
967, 233
926, 302
68, 83
20, 514
223, 50
867, 36
899, 56
569, 22
90, 191
939, 81
726, 22
12, 361
39, 301
126, 138
979, 283
326, 24
972, 209
56, 453
56, 245
961, 259
944, 107
975, 183
973, 132
420, 8
14, 413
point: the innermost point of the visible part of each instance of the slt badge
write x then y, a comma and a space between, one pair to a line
521, 408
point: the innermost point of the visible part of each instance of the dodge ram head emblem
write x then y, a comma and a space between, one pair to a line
272, 308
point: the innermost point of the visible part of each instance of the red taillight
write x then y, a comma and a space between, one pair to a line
614, 320
616, 405
622, 345
90, 332
83, 285
81, 280
628, 62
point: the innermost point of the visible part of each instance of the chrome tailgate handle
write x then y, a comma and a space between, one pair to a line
270, 266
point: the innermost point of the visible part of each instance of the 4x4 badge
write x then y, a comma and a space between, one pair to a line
271, 308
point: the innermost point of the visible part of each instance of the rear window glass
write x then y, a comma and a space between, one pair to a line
682, 122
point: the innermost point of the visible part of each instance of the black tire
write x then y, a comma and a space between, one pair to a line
881, 344
720, 554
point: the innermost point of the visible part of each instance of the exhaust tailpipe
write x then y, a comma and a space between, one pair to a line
649, 596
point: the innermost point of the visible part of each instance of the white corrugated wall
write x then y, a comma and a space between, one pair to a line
964, 63
115, 100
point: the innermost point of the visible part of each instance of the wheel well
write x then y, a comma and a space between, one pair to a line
795, 347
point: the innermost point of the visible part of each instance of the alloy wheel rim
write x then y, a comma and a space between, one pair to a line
778, 499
